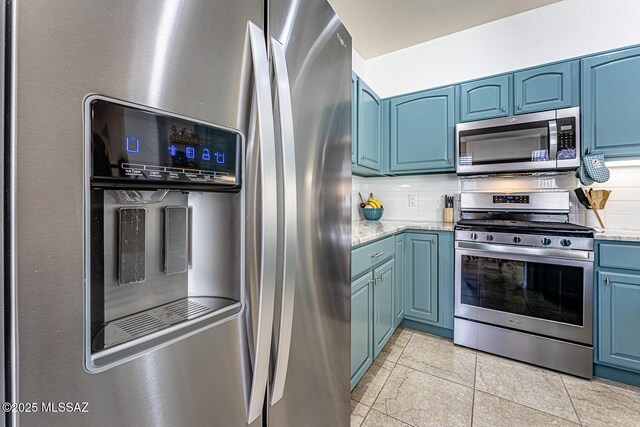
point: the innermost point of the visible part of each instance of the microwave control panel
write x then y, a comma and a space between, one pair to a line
566, 133
134, 147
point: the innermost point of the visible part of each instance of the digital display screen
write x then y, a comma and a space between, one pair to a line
511, 199
134, 144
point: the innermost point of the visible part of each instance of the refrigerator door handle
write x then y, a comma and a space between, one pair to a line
269, 218
290, 220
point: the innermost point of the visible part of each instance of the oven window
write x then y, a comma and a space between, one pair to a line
513, 144
544, 291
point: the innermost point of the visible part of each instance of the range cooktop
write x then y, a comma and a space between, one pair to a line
525, 227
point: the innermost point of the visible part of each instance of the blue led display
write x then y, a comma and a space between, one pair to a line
133, 144
205, 155
173, 150
191, 153
219, 157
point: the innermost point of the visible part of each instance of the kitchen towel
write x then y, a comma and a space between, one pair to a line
592, 169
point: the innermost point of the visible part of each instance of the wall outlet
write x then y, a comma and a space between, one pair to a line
413, 199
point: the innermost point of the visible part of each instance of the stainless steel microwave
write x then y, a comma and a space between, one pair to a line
546, 141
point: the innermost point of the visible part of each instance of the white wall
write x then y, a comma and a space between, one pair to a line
561, 30
358, 64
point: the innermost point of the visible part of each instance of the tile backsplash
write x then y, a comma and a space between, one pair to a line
622, 209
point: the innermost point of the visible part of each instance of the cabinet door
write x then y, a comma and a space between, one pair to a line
354, 118
361, 327
422, 131
485, 99
383, 289
545, 88
619, 319
369, 128
421, 282
398, 296
610, 93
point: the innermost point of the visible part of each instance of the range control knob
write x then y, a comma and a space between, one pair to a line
474, 236
516, 239
546, 241
489, 238
565, 242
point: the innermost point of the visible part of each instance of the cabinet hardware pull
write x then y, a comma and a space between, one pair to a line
607, 281
519, 106
377, 255
504, 110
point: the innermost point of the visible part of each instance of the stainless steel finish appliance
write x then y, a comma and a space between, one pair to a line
175, 174
545, 141
524, 280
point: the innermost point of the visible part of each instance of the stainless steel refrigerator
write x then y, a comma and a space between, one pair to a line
176, 213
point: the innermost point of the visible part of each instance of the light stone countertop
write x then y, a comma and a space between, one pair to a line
367, 231
618, 234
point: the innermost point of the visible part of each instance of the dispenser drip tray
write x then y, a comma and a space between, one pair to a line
133, 333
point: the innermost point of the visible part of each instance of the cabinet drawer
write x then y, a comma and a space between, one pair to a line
366, 257
618, 255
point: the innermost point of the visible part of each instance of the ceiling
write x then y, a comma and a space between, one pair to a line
383, 26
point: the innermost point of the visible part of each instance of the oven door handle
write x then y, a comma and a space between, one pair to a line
516, 250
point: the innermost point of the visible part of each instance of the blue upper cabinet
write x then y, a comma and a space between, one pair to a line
354, 118
422, 132
546, 88
610, 92
485, 99
369, 128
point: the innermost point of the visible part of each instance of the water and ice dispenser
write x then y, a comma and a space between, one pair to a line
163, 226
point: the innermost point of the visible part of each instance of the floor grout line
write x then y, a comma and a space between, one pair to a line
473, 401
533, 409
391, 416
571, 400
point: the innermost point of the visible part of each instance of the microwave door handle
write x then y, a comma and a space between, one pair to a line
268, 216
553, 140
290, 220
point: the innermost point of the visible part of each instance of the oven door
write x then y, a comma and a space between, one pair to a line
544, 291
523, 143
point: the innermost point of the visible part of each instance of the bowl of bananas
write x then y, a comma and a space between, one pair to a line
372, 210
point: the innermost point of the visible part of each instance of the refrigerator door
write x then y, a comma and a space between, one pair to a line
314, 389
188, 57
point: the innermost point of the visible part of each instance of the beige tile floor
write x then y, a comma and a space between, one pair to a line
423, 380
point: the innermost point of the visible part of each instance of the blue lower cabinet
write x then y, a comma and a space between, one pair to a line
422, 277
361, 327
398, 300
383, 310
429, 281
619, 319
610, 101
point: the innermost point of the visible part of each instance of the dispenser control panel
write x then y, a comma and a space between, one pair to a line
136, 147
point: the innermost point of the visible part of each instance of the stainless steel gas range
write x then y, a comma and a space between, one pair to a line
524, 280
